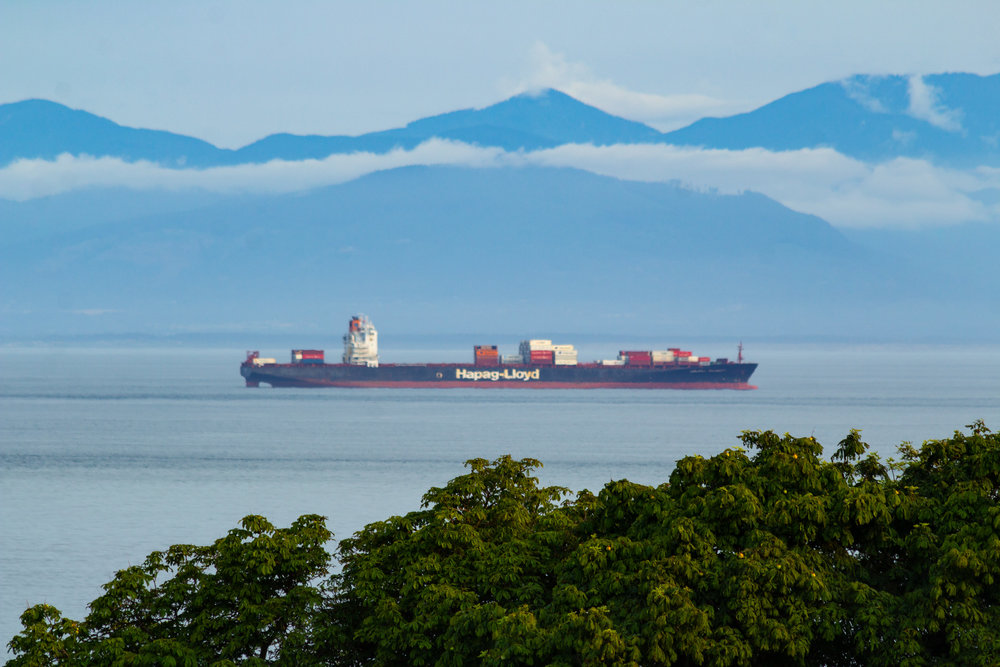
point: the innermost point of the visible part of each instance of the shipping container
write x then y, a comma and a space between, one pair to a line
612, 362
311, 355
512, 359
662, 356
563, 361
563, 348
638, 357
541, 357
260, 361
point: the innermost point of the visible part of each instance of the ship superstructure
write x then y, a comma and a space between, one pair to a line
361, 342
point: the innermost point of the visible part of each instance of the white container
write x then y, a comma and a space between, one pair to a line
563, 348
612, 362
663, 355
512, 359
561, 361
260, 361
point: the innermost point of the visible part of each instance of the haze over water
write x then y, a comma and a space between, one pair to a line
108, 454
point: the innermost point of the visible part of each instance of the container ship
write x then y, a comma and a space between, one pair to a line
538, 364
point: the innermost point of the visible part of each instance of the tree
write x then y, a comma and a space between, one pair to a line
249, 598
441, 585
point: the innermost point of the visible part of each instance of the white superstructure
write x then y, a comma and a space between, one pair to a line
361, 342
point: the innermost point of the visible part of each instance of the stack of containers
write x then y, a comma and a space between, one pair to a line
704, 361
534, 345
663, 356
307, 356
529, 347
487, 355
540, 357
636, 357
564, 355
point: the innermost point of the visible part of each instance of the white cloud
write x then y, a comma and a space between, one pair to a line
844, 191
823, 182
94, 312
925, 105
857, 89
664, 112
29, 179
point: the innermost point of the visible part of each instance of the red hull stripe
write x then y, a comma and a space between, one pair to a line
517, 385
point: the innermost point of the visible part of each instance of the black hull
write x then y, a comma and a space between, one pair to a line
583, 376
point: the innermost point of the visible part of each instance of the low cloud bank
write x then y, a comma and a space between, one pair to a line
844, 191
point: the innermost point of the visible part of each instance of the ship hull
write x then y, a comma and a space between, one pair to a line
583, 376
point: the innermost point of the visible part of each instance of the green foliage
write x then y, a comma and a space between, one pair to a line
438, 586
764, 554
247, 599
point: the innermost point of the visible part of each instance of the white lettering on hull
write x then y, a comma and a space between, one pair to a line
496, 376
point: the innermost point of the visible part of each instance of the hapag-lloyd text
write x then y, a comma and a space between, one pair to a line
495, 376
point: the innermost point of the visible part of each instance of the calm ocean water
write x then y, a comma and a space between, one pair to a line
106, 455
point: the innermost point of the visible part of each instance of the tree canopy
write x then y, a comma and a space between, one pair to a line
764, 554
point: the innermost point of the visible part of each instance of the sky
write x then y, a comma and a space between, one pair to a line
232, 72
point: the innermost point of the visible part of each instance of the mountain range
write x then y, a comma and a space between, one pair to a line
513, 250
947, 118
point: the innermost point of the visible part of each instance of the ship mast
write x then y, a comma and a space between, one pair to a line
739, 353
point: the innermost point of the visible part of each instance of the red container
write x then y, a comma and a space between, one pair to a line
639, 357
541, 357
308, 354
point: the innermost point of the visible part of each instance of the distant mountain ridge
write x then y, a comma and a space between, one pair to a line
951, 119
451, 249
42, 129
